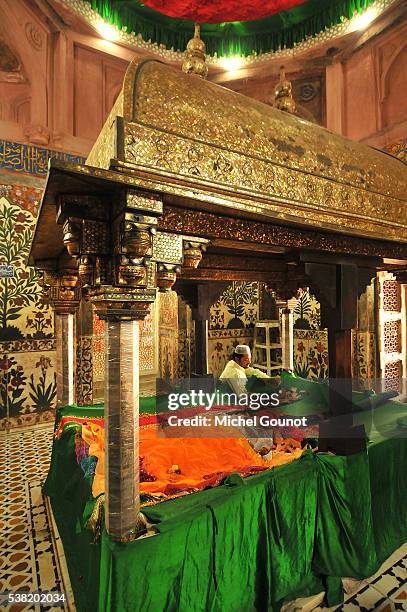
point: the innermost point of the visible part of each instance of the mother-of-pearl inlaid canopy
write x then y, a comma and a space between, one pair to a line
185, 136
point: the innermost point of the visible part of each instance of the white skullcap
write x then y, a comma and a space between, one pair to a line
243, 349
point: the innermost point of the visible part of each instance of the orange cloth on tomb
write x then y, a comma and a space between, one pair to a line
201, 462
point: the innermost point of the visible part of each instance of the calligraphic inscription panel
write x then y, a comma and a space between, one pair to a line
17, 157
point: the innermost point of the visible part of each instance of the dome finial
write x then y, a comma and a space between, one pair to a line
195, 62
283, 94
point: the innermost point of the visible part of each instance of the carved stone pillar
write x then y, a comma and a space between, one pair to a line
112, 241
123, 519
84, 357
65, 362
122, 427
121, 259
287, 339
63, 294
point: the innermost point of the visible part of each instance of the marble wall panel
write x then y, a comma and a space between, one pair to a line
311, 353
364, 355
27, 388
237, 307
27, 343
168, 335
186, 340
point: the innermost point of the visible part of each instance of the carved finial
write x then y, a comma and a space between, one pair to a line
283, 94
195, 62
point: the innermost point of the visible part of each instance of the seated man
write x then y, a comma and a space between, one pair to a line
237, 371
237, 374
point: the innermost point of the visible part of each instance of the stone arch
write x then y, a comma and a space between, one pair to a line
394, 107
14, 19
21, 110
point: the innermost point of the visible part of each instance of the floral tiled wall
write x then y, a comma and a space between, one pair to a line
168, 334
364, 338
22, 312
237, 307
310, 341
232, 319
221, 345
311, 353
307, 313
27, 345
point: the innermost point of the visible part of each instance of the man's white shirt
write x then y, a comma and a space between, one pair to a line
236, 376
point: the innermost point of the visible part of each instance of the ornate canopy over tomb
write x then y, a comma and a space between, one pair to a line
185, 136
209, 149
183, 166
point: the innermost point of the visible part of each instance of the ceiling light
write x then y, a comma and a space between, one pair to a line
233, 62
107, 31
361, 20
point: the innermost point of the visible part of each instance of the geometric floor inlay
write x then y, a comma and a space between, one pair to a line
28, 550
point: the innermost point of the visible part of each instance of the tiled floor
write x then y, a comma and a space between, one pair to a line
32, 559
28, 546
385, 591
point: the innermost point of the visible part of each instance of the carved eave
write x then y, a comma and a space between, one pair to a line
84, 183
79, 182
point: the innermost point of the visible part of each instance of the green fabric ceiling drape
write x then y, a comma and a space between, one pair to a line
284, 29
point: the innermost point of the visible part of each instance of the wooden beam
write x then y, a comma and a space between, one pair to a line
232, 261
208, 274
214, 226
246, 246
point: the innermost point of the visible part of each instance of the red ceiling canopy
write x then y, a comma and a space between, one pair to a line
219, 11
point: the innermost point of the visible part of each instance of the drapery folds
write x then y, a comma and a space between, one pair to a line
282, 29
218, 11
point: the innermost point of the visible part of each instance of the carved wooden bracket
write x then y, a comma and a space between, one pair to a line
111, 241
114, 244
166, 276
193, 251
61, 290
285, 285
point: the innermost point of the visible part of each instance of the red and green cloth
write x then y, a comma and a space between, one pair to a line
218, 11
228, 27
